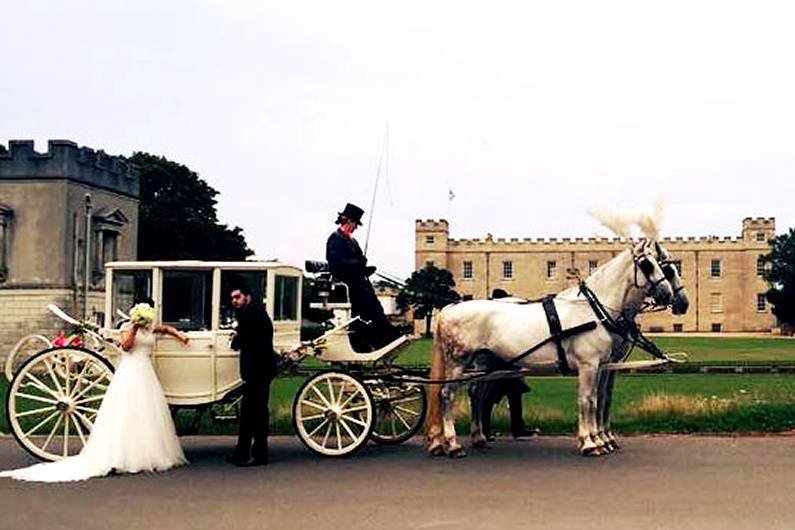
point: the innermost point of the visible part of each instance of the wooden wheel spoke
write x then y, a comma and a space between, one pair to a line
66, 435
37, 398
52, 433
80, 377
313, 417
42, 423
321, 396
354, 420
313, 404
53, 376
339, 436
78, 429
90, 399
31, 412
407, 411
395, 413
88, 424
319, 426
354, 409
325, 437
41, 386
94, 384
88, 410
348, 429
350, 398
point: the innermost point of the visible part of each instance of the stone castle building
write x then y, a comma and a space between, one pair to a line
723, 276
47, 200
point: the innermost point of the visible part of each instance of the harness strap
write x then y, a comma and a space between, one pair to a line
555, 329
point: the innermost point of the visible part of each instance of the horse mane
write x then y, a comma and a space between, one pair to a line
621, 222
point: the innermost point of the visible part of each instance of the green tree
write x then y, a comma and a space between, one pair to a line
780, 275
427, 289
177, 215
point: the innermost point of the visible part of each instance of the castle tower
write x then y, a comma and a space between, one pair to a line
43, 214
758, 229
431, 243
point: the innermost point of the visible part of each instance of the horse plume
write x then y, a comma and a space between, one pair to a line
621, 222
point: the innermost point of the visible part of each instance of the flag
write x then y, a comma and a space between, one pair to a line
450, 195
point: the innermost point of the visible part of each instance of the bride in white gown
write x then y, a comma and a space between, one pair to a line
133, 430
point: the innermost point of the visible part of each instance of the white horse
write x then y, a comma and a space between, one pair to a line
679, 306
508, 331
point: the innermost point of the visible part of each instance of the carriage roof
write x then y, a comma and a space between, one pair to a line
198, 264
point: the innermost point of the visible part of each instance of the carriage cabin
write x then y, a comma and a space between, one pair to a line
194, 297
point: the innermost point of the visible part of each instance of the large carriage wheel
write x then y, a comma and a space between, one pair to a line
333, 414
399, 411
54, 398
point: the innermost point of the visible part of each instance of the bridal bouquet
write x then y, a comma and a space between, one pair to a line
142, 314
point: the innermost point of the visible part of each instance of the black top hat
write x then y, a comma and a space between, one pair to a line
351, 212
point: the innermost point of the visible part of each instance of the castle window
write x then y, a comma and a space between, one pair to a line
507, 270
761, 303
715, 268
677, 328
592, 266
717, 328
6, 214
716, 302
552, 269
107, 250
760, 236
467, 269
429, 240
760, 267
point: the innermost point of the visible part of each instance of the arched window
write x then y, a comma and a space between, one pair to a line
6, 215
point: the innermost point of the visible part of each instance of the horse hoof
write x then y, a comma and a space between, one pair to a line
592, 451
436, 449
479, 443
457, 452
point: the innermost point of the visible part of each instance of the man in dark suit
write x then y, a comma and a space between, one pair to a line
348, 263
254, 339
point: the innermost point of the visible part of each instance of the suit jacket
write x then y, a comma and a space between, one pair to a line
254, 340
345, 258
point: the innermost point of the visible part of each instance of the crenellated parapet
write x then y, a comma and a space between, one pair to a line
64, 159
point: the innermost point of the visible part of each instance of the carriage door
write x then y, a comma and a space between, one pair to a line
227, 363
186, 372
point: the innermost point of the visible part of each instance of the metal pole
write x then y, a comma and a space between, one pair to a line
87, 271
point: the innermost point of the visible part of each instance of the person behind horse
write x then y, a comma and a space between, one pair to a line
348, 263
492, 393
254, 339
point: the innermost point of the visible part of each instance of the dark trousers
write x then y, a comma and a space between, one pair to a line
513, 390
254, 420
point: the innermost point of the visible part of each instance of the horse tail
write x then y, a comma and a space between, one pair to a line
434, 423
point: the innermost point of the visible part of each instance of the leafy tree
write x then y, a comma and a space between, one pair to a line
428, 288
781, 276
177, 215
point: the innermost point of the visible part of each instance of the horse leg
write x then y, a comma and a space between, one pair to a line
477, 392
589, 444
603, 378
612, 443
452, 447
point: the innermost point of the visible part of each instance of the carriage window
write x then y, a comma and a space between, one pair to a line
230, 280
467, 269
187, 299
128, 286
285, 305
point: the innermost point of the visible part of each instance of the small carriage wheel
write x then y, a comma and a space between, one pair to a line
333, 414
53, 399
399, 411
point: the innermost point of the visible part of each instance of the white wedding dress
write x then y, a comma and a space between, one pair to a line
133, 430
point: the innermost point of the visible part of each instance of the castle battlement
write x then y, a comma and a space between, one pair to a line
64, 159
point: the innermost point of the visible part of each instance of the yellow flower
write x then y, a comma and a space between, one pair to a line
142, 314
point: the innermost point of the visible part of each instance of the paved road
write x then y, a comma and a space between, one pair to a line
657, 482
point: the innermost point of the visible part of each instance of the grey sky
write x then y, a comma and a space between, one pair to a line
532, 112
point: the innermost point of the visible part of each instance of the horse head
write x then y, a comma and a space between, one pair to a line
649, 276
680, 301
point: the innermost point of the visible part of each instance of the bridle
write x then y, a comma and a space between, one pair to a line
668, 268
646, 265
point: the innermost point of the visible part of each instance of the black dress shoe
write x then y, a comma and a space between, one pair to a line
235, 459
251, 462
525, 433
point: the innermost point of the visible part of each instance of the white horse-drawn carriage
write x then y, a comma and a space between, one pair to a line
347, 399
